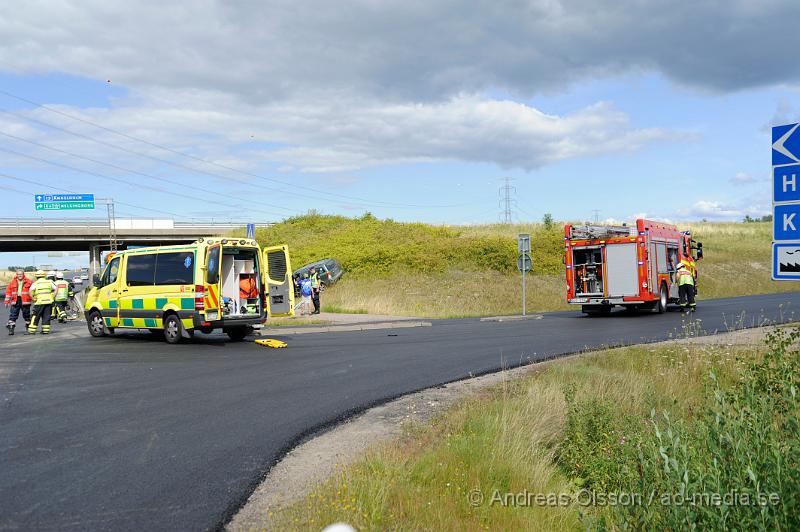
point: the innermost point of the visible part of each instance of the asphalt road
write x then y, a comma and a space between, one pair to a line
129, 433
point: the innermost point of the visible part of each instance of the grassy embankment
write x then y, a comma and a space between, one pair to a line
662, 424
449, 271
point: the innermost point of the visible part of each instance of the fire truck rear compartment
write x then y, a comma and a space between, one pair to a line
588, 268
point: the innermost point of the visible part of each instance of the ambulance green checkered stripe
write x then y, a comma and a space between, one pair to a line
156, 303
153, 314
145, 314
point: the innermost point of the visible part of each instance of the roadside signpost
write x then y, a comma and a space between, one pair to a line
786, 202
524, 262
62, 202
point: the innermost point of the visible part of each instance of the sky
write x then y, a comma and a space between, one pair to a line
415, 111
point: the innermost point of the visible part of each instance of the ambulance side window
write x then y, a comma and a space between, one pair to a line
111, 273
212, 265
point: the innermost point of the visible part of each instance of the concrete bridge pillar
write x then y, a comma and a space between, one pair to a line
94, 261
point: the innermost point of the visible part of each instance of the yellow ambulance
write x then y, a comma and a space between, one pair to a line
214, 283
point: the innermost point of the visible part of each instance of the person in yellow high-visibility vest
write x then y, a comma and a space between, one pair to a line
64, 291
685, 281
43, 292
315, 289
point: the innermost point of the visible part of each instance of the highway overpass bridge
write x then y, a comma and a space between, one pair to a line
94, 234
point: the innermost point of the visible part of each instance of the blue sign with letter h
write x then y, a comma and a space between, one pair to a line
786, 183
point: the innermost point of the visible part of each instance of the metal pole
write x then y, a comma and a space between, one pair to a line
523, 287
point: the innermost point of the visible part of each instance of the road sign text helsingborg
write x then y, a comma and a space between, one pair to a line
59, 202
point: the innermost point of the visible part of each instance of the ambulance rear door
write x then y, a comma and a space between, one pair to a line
213, 282
278, 281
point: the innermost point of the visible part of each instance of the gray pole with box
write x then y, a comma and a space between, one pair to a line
524, 262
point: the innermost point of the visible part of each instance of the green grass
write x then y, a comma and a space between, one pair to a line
647, 419
338, 309
450, 271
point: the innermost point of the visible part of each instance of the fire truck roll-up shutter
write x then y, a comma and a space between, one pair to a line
622, 270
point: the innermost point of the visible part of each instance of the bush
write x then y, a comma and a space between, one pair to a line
745, 447
599, 449
368, 246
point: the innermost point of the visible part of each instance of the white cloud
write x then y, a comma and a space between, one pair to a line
742, 178
344, 136
718, 210
335, 87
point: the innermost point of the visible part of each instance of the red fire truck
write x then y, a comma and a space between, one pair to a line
632, 266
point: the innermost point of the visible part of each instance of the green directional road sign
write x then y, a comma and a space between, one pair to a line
64, 205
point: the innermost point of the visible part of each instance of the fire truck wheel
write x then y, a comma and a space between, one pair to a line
663, 299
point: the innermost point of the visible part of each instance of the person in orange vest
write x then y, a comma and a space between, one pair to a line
18, 297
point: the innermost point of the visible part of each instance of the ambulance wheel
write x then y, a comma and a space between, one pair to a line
238, 334
663, 299
97, 327
172, 329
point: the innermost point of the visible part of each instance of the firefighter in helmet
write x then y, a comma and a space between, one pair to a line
685, 281
43, 292
64, 291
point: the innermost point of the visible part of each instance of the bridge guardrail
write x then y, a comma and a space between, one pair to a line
121, 223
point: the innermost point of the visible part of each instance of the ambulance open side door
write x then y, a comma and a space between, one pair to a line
278, 281
212, 289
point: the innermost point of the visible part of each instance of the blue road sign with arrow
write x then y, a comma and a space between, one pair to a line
785, 144
47, 198
786, 202
61, 202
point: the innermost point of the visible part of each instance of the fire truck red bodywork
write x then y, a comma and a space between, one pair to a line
625, 265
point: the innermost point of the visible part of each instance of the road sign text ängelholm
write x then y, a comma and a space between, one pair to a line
49, 198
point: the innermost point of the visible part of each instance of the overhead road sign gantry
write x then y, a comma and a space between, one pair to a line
59, 202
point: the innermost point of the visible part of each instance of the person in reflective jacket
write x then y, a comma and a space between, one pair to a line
43, 292
18, 297
685, 281
64, 291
